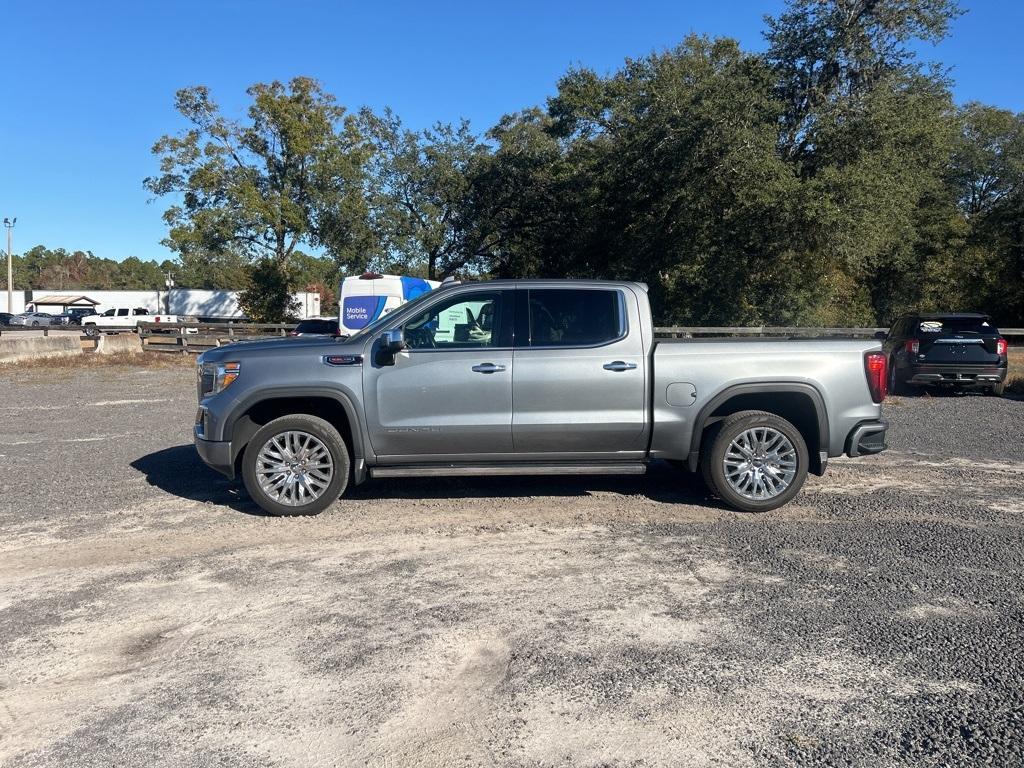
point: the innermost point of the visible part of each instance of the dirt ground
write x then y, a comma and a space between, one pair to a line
150, 616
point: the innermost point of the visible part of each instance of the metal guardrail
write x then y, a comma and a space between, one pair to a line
196, 337
46, 330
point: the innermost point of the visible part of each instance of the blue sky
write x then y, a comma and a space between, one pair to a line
88, 87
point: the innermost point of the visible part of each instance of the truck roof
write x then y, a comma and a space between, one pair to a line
940, 315
547, 282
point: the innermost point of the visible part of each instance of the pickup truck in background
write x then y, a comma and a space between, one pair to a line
127, 318
525, 377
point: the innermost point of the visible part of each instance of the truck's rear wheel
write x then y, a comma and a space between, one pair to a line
296, 465
755, 462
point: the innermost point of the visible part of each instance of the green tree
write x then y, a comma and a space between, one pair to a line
829, 53
419, 195
262, 188
986, 178
267, 298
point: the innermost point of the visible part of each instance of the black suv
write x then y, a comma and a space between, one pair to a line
952, 349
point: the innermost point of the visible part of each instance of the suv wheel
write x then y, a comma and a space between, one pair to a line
896, 387
296, 465
755, 462
997, 389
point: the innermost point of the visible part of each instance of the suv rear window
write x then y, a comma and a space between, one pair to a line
978, 325
575, 317
317, 326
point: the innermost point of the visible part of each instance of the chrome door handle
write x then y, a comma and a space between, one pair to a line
618, 365
488, 368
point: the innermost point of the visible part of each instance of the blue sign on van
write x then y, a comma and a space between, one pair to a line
360, 311
413, 287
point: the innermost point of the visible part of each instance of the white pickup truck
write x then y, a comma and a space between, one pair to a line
125, 318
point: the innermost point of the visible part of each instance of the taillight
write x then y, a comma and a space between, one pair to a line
912, 346
875, 368
1001, 346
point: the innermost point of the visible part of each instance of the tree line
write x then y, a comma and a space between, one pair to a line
829, 180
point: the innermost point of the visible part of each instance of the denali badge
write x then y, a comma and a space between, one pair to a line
343, 359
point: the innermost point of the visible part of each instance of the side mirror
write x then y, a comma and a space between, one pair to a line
881, 335
394, 340
391, 343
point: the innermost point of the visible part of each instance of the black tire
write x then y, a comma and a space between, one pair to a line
35, 323
996, 390
91, 330
716, 443
318, 428
896, 387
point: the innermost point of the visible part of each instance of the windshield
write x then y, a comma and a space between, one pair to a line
954, 325
383, 319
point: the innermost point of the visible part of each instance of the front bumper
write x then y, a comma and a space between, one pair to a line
867, 438
956, 375
216, 454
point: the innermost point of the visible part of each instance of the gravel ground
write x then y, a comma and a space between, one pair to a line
150, 616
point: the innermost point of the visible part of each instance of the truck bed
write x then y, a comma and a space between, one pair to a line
690, 374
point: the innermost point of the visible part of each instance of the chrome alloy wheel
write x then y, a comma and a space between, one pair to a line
294, 468
760, 463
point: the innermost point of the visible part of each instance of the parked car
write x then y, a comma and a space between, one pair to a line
33, 319
5, 318
427, 390
961, 350
316, 326
74, 315
122, 318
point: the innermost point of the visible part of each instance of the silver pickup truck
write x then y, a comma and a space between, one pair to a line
527, 377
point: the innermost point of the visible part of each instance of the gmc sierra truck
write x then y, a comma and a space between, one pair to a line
526, 377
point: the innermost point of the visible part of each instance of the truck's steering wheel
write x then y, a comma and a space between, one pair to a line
420, 338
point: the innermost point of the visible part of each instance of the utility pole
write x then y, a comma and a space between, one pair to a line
169, 282
9, 223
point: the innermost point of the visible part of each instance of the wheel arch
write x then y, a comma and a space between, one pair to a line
332, 406
797, 402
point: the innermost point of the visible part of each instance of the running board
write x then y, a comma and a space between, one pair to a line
493, 470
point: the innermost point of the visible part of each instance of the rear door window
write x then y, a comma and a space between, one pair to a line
575, 317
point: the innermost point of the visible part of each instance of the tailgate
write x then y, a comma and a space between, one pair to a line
945, 343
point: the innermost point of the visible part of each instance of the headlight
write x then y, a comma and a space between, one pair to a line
216, 377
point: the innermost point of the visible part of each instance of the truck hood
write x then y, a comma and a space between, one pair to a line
284, 347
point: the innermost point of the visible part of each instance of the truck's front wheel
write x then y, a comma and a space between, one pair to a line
755, 462
296, 465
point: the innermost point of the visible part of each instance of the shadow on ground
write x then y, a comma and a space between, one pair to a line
180, 472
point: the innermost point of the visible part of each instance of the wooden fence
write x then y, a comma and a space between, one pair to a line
197, 337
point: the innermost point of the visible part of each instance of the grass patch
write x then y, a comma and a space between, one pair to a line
92, 360
1015, 374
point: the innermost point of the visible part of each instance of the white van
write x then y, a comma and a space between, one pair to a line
364, 298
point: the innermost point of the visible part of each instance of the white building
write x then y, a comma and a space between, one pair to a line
188, 302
